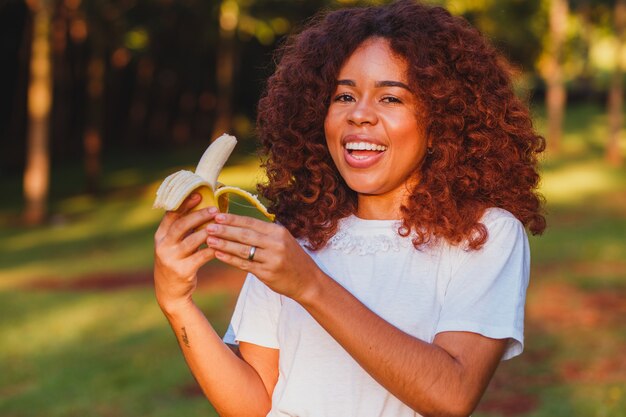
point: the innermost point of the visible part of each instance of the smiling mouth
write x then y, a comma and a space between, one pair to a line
364, 150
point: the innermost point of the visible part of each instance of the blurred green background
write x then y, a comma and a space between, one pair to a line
102, 99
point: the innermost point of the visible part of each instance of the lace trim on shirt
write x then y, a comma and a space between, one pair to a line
348, 243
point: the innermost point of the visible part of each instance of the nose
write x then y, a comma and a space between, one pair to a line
362, 113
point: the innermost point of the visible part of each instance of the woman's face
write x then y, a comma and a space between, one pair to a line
372, 131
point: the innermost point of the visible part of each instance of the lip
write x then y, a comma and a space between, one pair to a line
361, 163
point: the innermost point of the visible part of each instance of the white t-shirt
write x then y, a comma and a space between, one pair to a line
421, 292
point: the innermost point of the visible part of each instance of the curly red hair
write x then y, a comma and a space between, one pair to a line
484, 148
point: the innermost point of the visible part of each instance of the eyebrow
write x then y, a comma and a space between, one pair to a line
377, 84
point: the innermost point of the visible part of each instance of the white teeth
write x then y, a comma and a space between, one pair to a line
364, 146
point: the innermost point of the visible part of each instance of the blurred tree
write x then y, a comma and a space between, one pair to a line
552, 71
15, 43
229, 18
261, 23
583, 78
98, 33
78, 88
616, 91
511, 26
603, 27
37, 170
144, 73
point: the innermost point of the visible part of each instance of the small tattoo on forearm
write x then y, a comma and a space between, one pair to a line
184, 337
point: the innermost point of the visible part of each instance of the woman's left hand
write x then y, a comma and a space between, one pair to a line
278, 260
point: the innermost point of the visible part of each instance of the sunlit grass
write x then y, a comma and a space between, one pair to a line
94, 354
102, 240
77, 319
577, 182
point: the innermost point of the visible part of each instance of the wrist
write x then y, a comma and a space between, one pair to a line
313, 291
175, 307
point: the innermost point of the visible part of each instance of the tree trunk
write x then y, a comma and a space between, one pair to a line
37, 170
229, 17
616, 93
556, 94
144, 73
92, 139
585, 80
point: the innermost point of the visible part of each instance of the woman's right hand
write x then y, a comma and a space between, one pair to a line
177, 256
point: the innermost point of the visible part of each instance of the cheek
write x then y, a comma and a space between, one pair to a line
329, 122
331, 131
326, 128
330, 138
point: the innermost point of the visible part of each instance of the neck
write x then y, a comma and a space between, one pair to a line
379, 207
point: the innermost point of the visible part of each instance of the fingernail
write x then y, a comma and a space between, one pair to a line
212, 210
220, 217
212, 241
211, 228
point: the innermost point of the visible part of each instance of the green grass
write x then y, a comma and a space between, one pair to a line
94, 352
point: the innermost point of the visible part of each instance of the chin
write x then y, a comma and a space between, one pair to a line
366, 189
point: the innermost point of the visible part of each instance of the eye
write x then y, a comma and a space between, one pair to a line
391, 99
343, 97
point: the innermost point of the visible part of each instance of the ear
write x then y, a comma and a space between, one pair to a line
429, 147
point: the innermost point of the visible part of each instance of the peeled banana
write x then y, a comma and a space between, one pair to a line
177, 186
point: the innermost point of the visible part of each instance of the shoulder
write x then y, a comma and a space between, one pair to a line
501, 224
495, 214
506, 237
505, 234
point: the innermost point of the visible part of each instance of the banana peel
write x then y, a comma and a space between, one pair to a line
178, 186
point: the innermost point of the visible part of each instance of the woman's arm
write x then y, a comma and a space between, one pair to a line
235, 386
443, 378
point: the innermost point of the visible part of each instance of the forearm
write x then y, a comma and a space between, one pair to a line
422, 375
232, 386
443, 378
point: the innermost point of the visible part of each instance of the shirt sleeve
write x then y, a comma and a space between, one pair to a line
255, 319
487, 290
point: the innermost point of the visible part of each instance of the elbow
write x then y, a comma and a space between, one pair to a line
451, 407
457, 411
460, 412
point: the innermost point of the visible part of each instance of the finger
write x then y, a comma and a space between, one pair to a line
192, 242
171, 216
189, 203
237, 262
237, 249
237, 234
201, 257
183, 226
245, 222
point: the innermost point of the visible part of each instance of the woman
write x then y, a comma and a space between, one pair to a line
402, 171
